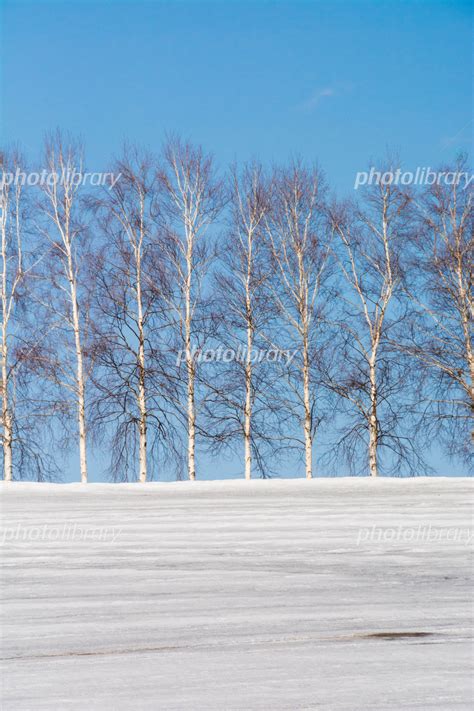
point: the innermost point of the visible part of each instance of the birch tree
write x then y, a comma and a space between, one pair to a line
133, 376
191, 200
371, 376
60, 221
299, 252
249, 207
13, 273
240, 407
26, 415
440, 287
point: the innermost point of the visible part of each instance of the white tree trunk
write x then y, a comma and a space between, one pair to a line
248, 406
191, 416
307, 412
7, 434
7, 427
373, 426
190, 366
248, 362
467, 315
80, 385
143, 470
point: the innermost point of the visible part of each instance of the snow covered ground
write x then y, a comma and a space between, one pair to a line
338, 594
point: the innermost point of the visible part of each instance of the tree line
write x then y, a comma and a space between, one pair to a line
248, 311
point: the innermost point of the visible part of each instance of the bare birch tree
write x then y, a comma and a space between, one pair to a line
299, 252
240, 406
26, 417
440, 286
249, 206
370, 377
133, 376
61, 224
13, 272
191, 200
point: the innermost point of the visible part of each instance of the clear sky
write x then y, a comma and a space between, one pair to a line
337, 82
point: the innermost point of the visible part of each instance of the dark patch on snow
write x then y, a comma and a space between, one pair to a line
395, 635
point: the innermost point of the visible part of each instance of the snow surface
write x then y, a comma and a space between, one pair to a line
238, 595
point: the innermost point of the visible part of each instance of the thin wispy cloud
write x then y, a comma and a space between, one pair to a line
316, 98
461, 136
320, 95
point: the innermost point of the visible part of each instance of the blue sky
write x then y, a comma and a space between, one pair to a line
337, 82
